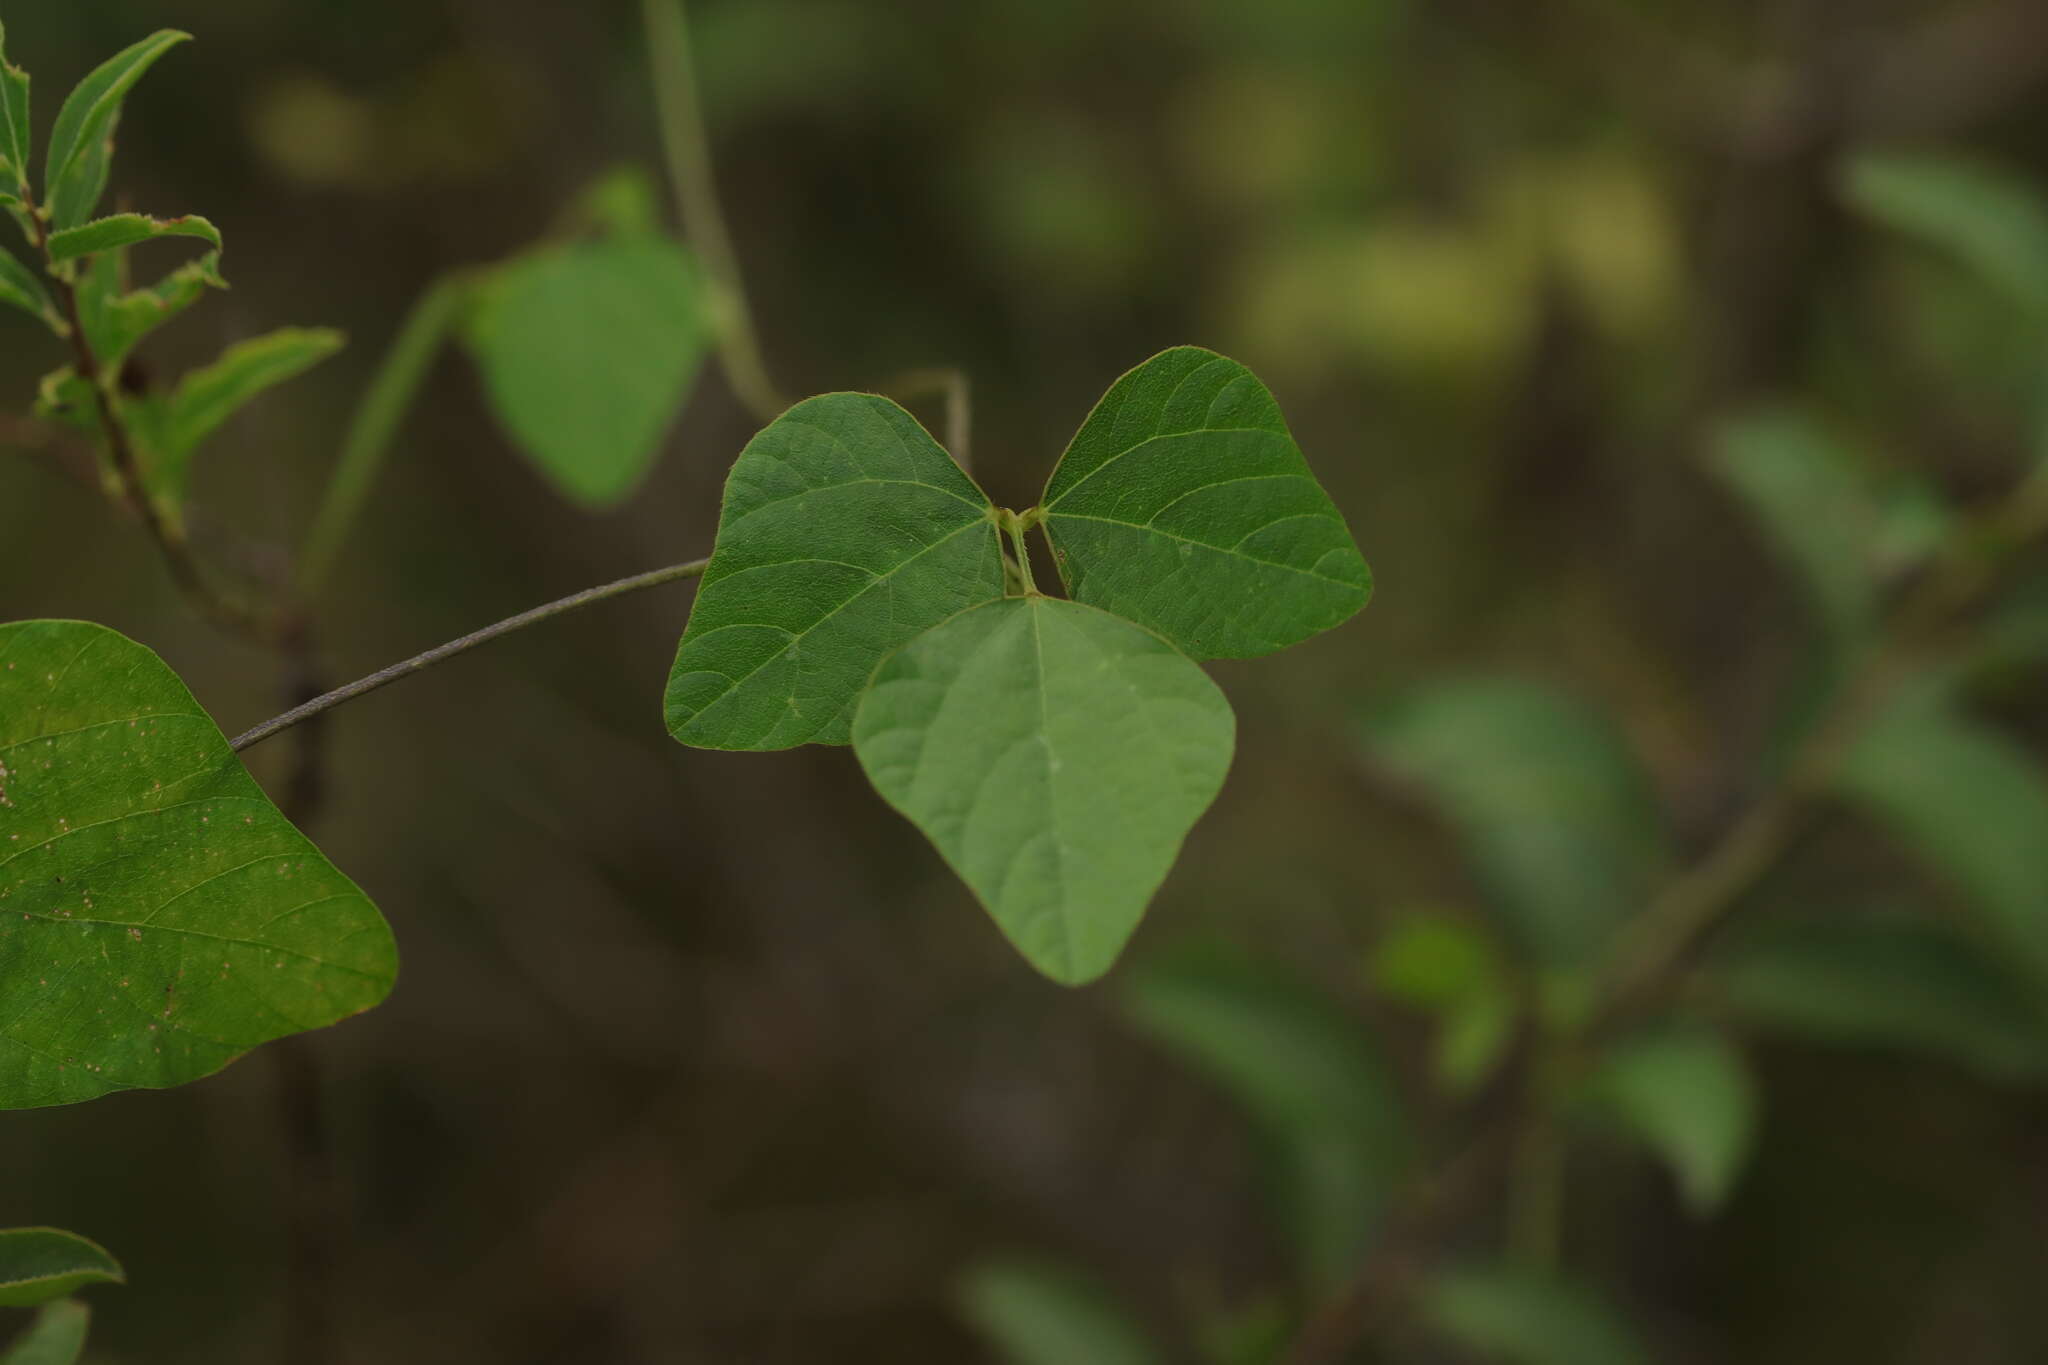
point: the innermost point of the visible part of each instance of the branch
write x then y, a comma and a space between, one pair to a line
588, 597
1653, 956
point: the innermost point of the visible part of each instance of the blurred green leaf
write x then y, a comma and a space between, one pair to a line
75, 173
1817, 509
1184, 504
1454, 972
1970, 802
207, 397
845, 532
587, 351
20, 287
14, 119
41, 1264
623, 202
1101, 743
1040, 1314
1553, 811
63, 396
1992, 220
1530, 1319
56, 1337
1251, 1333
126, 229
1685, 1091
1319, 1094
162, 916
1888, 981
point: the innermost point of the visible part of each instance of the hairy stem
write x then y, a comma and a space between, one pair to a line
688, 151
588, 597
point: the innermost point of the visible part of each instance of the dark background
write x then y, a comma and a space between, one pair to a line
705, 1057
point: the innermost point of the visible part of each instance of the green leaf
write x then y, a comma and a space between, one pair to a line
845, 531
20, 287
1554, 812
56, 1337
1184, 504
1452, 971
1886, 981
41, 1264
1530, 1319
1320, 1096
587, 351
1039, 1314
1971, 803
158, 915
77, 166
1817, 509
623, 202
126, 229
119, 321
64, 396
1056, 756
207, 397
1990, 219
14, 121
1684, 1091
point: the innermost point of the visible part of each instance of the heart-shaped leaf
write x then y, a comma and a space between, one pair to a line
1057, 756
846, 530
587, 351
40, 1264
158, 915
1184, 504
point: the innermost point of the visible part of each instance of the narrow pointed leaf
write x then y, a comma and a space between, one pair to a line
78, 196
845, 531
78, 138
55, 1337
1323, 1100
14, 120
41, 1264
1972, 804
1526, 1318
120, 321
1056, 756
587, 351
1992, 220
1685, 1092
1554, 812
1039, 1314
1184, 504
20, 287
126, 229
158, 915
1892, 982
208, 397
1818, 509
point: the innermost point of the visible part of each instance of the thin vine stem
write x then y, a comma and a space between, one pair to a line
397, 382
327, 701
688, 151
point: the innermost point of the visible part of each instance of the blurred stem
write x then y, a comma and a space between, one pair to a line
1535, 1218
588, 597
391, 393
688, 151
950, 383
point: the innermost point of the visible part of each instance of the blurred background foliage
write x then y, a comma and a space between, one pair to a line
1650, 349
